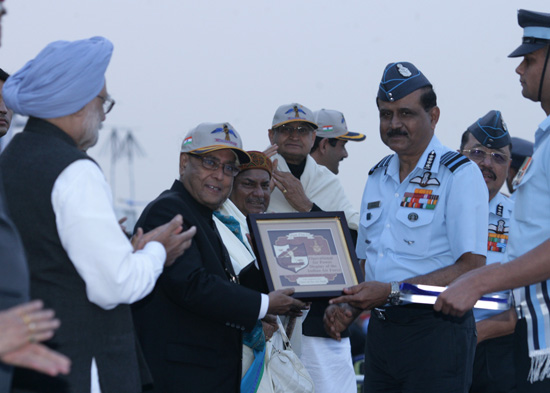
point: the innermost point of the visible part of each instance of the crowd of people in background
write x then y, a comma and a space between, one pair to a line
181, 305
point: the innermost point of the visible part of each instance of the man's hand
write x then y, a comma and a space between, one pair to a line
281, 302
271, 151
170, 235
337, 318
38, 357
292, 190
365, 296
270, 326
459, 297
25, 323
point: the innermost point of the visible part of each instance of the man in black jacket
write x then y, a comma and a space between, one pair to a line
191, 325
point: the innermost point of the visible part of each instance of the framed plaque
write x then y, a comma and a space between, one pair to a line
310, 252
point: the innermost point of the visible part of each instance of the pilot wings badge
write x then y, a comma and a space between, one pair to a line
426, 180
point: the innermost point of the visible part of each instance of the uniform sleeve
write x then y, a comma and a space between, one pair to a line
95, 243
467, 212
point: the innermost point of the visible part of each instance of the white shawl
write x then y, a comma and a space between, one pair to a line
321, 186
239, 254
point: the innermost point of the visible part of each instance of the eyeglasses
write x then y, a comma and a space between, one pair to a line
108, 103
213, 164
289, 130
479, 155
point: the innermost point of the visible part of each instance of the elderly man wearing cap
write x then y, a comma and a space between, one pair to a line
191, 326
522, 151
250, 194
301, 184
487, 142
528, 251
81, 263
329, 147
423, 221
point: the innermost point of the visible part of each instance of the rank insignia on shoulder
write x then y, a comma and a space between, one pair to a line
373, 205
500, 209
426, 180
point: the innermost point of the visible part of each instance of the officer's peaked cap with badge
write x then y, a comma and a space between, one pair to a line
399, 80
209, 137
293, 112
491, 131
332, 124
536, 32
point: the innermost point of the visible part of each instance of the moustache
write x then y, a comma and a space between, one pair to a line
396, 132
258, 201
489, 173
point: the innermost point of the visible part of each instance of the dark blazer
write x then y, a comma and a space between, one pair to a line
190, 326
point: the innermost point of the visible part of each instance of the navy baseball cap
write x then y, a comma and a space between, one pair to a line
399, 80
536, 32
491, 131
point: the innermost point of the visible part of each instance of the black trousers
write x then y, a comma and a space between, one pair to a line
414, 349
494, 370
523, 362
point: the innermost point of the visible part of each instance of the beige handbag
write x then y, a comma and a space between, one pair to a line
288, 374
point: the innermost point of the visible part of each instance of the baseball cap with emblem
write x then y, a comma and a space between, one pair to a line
491, 131
293, 112
399, 80
208, 137
332, 124
536, 32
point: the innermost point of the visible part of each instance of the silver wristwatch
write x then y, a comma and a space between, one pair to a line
394, 296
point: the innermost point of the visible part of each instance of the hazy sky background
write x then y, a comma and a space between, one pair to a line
179, 63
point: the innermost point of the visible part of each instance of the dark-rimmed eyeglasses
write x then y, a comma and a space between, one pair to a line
212, 164
288, 130
108, 103
478, 155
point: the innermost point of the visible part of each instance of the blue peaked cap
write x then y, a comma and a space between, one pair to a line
536, 32
399, 80
491, 131
60, 80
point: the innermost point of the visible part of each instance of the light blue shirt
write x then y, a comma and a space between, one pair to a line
500, 215
399, 242
530, 224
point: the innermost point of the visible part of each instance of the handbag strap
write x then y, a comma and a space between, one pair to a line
286, 341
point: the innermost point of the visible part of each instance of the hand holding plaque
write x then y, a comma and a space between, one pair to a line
309, 252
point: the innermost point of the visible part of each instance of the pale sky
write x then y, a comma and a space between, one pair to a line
178, 63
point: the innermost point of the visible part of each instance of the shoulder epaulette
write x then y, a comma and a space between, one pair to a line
453, 160
383, 162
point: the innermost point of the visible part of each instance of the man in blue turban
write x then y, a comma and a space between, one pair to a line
81, 263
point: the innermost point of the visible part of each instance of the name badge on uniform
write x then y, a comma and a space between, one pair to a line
373, 205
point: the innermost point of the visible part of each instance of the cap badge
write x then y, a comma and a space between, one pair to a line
404, 71
328, 128
504, 127
188, 140
296, 111
226, 130
343, 120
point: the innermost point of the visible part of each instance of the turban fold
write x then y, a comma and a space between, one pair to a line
61, 80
